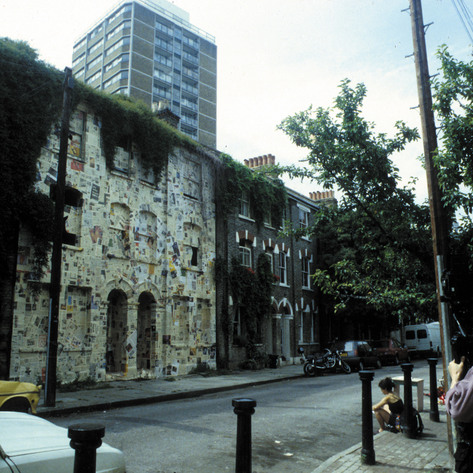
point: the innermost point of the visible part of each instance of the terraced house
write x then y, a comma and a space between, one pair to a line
267, 303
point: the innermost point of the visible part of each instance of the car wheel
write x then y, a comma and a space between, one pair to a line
361, 366
17, 404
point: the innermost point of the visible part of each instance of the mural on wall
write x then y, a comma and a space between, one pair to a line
134, 236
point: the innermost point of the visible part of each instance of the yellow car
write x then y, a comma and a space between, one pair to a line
20, 397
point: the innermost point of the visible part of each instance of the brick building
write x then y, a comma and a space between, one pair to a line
293, 318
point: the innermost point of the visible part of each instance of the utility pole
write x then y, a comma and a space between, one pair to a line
56, 258
437, 214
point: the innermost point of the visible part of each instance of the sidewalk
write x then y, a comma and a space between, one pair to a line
123, 393
397, 453
393, 452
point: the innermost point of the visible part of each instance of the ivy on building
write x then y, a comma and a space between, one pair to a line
252, 290
267, 194
31, 104
125, 120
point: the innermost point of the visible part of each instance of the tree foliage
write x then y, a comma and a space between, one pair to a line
453, 104
375, 246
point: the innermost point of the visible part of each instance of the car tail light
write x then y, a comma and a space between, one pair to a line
356, 351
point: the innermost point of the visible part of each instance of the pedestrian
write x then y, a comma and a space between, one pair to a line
459, 405
388, 411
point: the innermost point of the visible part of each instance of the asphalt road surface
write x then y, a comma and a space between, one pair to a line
297, 425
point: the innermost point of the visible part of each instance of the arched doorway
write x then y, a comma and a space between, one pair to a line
116, 331
145, 346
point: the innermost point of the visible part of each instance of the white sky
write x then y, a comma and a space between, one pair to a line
278, 57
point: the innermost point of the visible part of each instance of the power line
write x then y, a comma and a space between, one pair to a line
465, 16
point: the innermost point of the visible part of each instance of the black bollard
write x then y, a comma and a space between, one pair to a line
85, 439
409, 421
367, 447
244, 409
434, 404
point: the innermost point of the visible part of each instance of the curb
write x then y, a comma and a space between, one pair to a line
60, 411
323, 466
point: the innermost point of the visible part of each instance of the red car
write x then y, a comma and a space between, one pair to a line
390, 350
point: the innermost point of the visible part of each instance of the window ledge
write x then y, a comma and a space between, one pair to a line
193, 269
243, 217
72, 248
192, 199
284, 285
147, 184
122, 174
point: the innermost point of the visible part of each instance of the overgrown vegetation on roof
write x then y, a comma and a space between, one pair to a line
267, 194
126, 120
31, 94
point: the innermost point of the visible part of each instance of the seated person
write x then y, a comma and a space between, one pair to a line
389, 408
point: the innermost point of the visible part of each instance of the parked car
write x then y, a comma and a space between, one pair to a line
20, 397
30, 444
358, 354
390, 350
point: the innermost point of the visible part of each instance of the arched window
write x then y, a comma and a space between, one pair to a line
145, 235
119, 243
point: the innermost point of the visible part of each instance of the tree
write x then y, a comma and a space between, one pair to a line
376, 248
453, 104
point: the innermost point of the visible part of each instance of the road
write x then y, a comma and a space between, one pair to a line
297, 425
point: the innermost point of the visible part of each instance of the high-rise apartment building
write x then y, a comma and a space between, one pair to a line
147, 49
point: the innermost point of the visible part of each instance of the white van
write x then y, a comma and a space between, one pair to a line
423, 339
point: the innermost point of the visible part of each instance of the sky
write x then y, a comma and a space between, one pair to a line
277, 58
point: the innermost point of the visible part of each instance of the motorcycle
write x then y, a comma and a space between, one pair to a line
341, 363
327, 360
